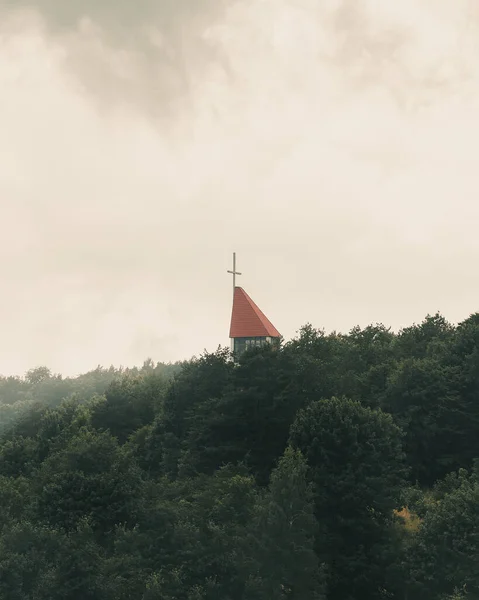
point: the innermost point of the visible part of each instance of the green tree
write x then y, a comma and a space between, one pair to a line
356, 466
19, 456
428, 339
211, 518
78, 567
445, 553
26, 560
46, 564
138, 551
13, 390
463, 356
422, 395
249, 422
130, 403
199, 381
91, 478
280, 561
38, 375
14, 497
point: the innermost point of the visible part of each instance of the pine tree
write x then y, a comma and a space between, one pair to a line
356, 465
280, 561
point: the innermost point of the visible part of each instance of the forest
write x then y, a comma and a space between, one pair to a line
334, 467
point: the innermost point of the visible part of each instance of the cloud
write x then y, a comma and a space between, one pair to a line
160, 55
144, 54
332, 145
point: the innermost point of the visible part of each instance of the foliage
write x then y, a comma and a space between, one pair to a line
279, 557
445, 553
332, 467
356, 466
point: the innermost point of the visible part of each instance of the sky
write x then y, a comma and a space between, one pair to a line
332, 144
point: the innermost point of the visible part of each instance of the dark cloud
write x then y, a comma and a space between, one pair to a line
155, 55
119, 18
145, 54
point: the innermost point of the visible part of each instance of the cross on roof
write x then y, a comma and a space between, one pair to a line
234, 272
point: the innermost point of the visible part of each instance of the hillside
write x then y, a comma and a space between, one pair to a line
337, 467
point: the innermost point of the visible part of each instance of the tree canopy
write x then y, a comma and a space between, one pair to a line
333, 467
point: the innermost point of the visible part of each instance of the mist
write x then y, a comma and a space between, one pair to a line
331, 144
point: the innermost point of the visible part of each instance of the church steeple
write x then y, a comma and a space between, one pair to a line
249, 325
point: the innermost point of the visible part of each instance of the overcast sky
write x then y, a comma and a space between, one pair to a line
334, 145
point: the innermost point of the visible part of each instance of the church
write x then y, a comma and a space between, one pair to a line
249, 325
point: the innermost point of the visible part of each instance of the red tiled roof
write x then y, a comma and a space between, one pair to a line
247, 320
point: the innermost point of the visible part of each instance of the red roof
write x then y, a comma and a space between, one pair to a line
247, 320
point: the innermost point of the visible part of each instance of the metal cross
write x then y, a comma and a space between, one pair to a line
234, 272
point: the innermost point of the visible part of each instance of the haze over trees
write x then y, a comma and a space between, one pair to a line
337, 467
